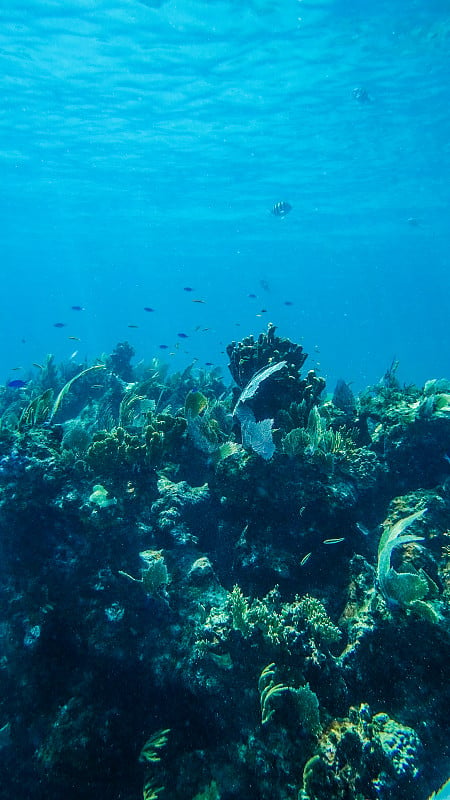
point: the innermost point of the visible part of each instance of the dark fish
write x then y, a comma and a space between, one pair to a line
16, 384
163, 346
199, 301
187, 289
59, 324
77, 308
147, 308
132, 326
361, 95
208, 363
288, 303
281, 209
182, 335
253, 296
75, 338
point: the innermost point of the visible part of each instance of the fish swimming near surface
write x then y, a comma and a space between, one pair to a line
16, 384
281, 209
59, 324
77, 308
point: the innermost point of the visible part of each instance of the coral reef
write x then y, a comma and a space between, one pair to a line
223, 592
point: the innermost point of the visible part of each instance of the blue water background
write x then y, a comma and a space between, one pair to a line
142, 145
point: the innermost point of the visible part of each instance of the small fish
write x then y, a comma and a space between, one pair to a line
263, 311
74, 338
132, 326
199, 301
361, 95
15, 369
333, 541
163, 346
59, 324
38, 366
305, 559
362, 528
16, 384
75, 353
77, 308
209, 363
253, 296
288, 303
147, 308
281, 209
188, 289
182, 335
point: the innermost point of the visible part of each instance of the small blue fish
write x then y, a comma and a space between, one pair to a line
281, 209
163, 346
288, 303
147, 308
59, 324
16, 384
253, 296
77, 308
188, 289
182, 335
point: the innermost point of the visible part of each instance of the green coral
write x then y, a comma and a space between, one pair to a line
268, 690
312, 612
407, 588
210, 792
154, 576
279, 622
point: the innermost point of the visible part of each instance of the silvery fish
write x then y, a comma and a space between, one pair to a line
281, 209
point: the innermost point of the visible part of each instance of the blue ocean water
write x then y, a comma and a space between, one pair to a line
143, 145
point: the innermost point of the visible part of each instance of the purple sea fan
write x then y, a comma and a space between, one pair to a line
256, 435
